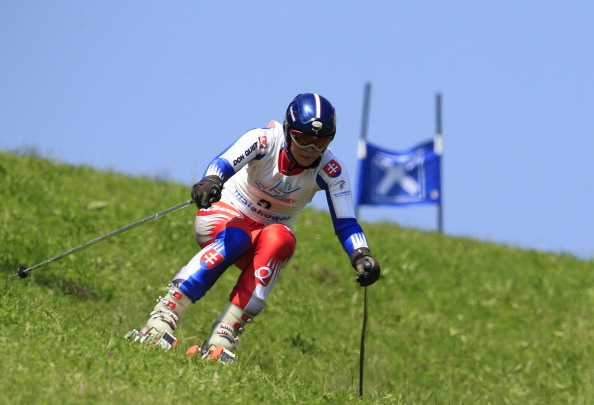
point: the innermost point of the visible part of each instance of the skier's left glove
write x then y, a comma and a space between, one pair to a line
367, 268
207, 191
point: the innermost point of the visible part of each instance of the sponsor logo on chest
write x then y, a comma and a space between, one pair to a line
280, 190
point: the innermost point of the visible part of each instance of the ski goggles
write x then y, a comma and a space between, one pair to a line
304, 141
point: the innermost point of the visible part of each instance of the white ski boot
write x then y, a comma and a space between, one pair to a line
222, 342
163, 320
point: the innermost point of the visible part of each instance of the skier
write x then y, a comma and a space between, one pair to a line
249, 196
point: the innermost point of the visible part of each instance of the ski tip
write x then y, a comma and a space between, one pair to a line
192, 351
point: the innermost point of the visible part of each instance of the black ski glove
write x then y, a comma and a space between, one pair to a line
367, 268
207, 191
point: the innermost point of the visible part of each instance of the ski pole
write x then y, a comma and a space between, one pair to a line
367, 267
24, 272
362, 352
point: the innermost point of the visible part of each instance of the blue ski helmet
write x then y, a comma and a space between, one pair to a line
312, 114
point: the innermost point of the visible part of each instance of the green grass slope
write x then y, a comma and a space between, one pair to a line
452, 321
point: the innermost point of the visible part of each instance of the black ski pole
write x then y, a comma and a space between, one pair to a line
362, 351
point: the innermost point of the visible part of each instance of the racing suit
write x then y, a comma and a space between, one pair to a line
251, 224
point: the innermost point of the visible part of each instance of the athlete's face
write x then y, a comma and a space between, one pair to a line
304, 156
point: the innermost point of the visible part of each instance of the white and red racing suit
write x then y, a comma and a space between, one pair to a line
250, 226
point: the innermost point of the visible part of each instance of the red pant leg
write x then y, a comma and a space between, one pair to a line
272, 247
211, 221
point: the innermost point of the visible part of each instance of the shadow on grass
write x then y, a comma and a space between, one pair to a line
77, 289
61, 283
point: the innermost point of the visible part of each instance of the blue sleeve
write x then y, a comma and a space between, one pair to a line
347, 229
219, 167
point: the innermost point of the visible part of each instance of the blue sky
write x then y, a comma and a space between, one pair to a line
159, 88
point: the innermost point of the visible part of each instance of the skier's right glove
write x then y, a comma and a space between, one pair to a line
367, 268
207, 191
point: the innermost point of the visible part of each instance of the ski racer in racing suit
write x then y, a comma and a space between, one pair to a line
249, 197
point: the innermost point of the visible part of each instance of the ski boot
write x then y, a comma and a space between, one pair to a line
163, 320
222, 342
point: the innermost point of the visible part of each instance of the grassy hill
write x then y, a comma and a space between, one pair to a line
452, 321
